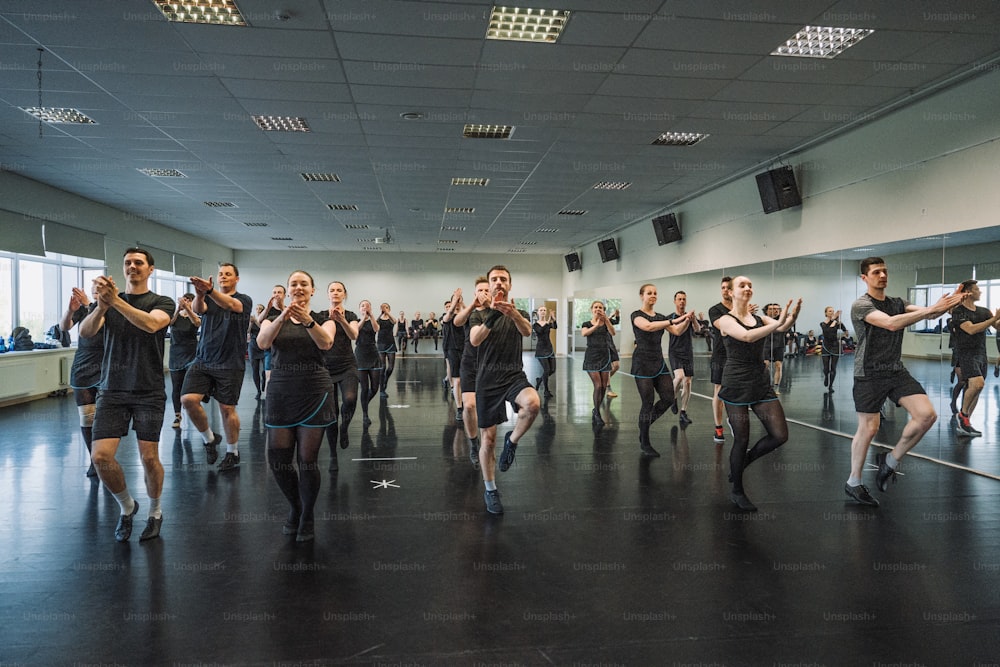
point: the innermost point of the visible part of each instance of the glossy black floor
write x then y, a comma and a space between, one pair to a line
601, 558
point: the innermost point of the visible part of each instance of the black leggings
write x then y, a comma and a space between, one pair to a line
345, 394
177, 382
772, 416
257, 371
369, 380
601, 380
649, 412
830, 368
548, 368
303, 444
388, 366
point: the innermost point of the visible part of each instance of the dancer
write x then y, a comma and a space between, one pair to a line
680, 351
469, 367
970, 324
134, 323
275, 306
255, 354
453, 343
85, 374
543, 348
746, 384
615, 319
774, 349
648, 367
879, 322
183, 348
416, 330
497, 332
718, 362
401, 328
301, 403
597, 359
343, 368
367, 358
830, 329
386, 345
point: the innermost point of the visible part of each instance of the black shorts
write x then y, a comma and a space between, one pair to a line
774, 355
467, 375
682, 362
491, 401
717, 369
871, 393
225, 385
115, 409
972, 364
454, 358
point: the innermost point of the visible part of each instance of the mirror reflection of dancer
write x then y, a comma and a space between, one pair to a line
300, 403
774, 349
134, 323
879, 322
386, 345
497, 332
275, 305
615, 318
183, 348
746, 384
598, 357
254, 353
367, 358
718, 362
469, 367
343, 368
648, 367
544, 353
831, 329
970, 323
85, 374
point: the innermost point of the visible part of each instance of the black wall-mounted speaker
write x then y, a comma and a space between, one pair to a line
666, 229
609, 251
778, 189
573, 262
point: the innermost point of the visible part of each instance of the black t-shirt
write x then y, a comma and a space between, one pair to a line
964, 342
543, 346
86, 370
879, 351
500, 354
681, 346
294, 351
183, 343
340, 357
224, 334
831, 336
718, 347
133, 359
451, 336
648, 343
384, 338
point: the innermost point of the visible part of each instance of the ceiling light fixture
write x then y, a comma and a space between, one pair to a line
460, 209
525, 24
281, 123
478, 131
342, 207
214, 12
572, 211
59, 115
481, 182
326, 178
679, 139
163, 173
221, 204
821, 42
612, 185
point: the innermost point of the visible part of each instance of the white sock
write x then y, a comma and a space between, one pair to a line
853, 481
232, 447
491, 484
208, 436
890, 461
125, 501
154, 508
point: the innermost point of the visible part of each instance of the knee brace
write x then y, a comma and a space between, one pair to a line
86, 414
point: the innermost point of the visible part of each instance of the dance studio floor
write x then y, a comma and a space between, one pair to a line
602, 557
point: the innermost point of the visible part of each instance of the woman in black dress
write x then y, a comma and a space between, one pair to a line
746, 385
598, 331
652, 376
183, 347
343, 367
85, 374
301, 402
386, 345
831, 328
401, 333
543, 348
367, 357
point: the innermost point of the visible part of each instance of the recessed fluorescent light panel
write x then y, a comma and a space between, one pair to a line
821, 42
477, 131
517, 250
482, 182
678, 139
572, 211
163, 173
355, 226
524, 24
447, 241
325, 178
216, 12
459, 209
342, 207
221, 204
546, 230
257, 224
450, 228
59, 115
612, 185
281, 123
281, 238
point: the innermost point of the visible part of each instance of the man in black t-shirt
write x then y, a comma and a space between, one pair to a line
497, 332
719, 353
220, 362
879, 374
969, 324
132, 388
453, 340
680, 351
